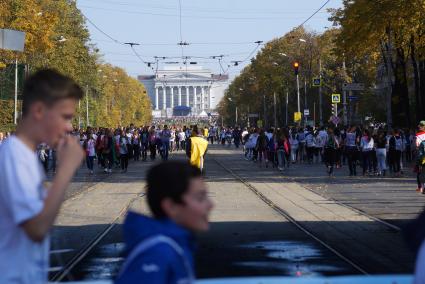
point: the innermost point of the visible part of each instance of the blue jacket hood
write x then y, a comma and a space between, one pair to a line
138, 227
162, 262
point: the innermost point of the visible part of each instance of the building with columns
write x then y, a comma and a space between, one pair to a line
184, 87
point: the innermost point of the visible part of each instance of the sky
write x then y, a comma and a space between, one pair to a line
210, 28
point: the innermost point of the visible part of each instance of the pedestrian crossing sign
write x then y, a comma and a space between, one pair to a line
297, 116
317, 82
336, 98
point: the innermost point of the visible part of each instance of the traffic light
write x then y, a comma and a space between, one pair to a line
335, 109
296, 67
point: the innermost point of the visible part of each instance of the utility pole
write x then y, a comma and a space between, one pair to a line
286, 118
320, 94
274, 106
87, 106
264, 104
298, 95
305, 100
248, 118
15, 120
344, 95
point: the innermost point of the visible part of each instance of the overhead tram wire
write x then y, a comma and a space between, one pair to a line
194, 8
190, 16
182, 44
131, 44
314, 14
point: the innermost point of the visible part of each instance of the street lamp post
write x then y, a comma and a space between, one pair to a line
286, 118
320, 94
298, 93
87, 106
264, 109
274, 107
15, 119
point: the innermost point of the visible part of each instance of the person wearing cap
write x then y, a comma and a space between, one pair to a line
420, 161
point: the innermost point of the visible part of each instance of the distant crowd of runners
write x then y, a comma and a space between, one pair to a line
376, 151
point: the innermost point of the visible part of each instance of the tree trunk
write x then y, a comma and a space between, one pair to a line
422, 87
401, 104
418, 100
387, 58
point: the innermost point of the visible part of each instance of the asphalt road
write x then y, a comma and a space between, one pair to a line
247, 236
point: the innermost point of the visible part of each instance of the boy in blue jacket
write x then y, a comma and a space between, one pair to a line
160, 249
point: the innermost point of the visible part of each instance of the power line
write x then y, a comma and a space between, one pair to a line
314, 14
199, 9
101, 31
192, 16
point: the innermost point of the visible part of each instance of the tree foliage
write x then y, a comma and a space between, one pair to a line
381, 44
271, 72
57, 37
389, 34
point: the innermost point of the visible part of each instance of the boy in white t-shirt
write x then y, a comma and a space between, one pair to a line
28, 209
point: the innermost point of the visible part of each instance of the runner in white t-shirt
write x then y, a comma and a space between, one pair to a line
27, 209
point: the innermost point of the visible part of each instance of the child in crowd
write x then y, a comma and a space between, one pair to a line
161, 248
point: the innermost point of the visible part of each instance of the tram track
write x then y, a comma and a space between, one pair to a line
90, 246
288, 217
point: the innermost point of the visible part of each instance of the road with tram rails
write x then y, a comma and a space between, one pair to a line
265, 223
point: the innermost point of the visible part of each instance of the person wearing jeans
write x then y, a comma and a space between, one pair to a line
293, 141
351, 150
367, 144
124, 151
91, 153
165, 139
381, 153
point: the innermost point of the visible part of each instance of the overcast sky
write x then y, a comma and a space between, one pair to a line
211, 28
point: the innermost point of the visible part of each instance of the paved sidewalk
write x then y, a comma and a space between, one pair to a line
391, 199
372, 245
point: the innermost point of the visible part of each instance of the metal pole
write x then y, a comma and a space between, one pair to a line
79, 114
264, 103
274, 102
298, 96
305, 100
320, 94
286, 118
314, 113
236, 116
15, 120
336, 111
248, 117
344, 95
87, 106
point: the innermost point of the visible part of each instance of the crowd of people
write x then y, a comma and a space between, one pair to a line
113, 148
375, 150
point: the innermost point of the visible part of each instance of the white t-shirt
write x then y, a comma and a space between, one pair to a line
21, 198
91, 143
182, 136
123, 145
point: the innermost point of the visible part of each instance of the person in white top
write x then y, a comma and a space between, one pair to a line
182, 140
367, 144
90, 152
27, 209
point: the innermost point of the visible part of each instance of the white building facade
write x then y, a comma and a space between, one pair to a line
176, 87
